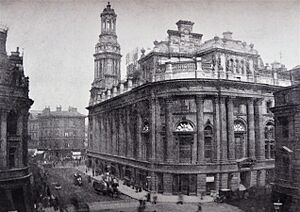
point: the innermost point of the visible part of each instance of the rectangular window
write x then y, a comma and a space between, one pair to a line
284, 126
269, 105
11, 157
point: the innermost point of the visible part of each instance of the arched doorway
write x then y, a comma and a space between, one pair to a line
185, 135
240, 139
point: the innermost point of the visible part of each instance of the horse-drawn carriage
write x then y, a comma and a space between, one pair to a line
77, 179
108, 185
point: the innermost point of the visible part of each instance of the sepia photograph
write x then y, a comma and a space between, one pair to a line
149, 106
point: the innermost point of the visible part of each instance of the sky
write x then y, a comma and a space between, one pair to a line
59, 36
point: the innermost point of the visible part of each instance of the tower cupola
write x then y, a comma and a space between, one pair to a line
108, 20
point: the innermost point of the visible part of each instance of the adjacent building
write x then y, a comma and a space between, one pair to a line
197, 119
287, 162
33, 129
15, 190
61, 132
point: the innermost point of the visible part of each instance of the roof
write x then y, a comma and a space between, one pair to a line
62, 114
296, 67
34, 114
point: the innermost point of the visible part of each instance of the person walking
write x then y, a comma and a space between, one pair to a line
180, 199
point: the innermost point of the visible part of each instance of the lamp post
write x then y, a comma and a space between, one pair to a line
277, 206
58, 188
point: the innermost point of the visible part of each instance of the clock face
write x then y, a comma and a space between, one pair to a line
186, 31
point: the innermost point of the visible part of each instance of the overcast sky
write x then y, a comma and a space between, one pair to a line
58, 36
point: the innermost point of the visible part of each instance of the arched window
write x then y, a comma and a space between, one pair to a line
208, 143
12, 123
184, 126
239, 136
239, 126
269, 140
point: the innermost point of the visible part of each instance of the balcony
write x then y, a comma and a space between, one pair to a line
15, 173
14, 138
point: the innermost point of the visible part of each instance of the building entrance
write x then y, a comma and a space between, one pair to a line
245, 178
185, 147
185, 184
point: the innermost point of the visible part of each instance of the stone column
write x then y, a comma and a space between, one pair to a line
223, 128
122, 136
217, 148
168, 182
230, 119
20, 152
129, 144
251, 132
3, 143
108, 136
201, 183
169, 135
259, 131
224, 180
140, 155
113, 133
153, 128
200, 129
253, 178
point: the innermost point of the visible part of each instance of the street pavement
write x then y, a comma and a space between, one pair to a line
140, 195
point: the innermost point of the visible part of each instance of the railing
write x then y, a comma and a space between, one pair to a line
14, 138
9, 174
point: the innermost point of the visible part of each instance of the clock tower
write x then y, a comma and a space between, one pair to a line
107, 57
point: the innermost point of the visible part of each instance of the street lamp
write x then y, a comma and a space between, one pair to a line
58, 188
277, 206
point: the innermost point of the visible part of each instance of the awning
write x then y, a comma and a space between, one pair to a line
242, 187
76, 153
287, 149
210, 179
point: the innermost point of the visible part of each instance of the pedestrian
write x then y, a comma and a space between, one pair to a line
154, 198
180, 199
148, 196
199, 207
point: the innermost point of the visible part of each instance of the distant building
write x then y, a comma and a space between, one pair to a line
287, 161
33, 129
15, 189
61, 132
198, 119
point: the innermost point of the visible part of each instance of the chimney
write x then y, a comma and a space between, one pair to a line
58, 109
3, 37
72, 109
185, 26
227, 35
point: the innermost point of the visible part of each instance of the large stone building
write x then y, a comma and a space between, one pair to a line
15, 191
287, 162
198, 119
33, 129
61, 132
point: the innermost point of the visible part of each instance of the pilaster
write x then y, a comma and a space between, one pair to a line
3, 143
223, 128
153, 127
200, 129
217, 129
201, 183
129, 144
169, 134
230, 119
168, 182
251, 132
259, 131
139, 137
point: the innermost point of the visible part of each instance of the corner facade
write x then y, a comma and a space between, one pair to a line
15, 189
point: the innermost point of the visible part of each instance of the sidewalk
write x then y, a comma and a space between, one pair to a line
128, 191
